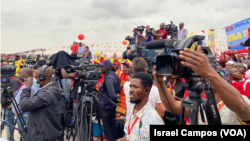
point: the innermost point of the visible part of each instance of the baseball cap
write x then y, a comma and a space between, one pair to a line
117, 63
134, 29
127, 64
105, 63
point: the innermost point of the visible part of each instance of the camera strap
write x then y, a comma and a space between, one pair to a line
170, 87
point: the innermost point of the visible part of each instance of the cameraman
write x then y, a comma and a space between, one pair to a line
163, 34
109, 88
236, 109
9, 115
147, 37
135, 39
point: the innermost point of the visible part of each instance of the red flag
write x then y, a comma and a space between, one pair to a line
203, 31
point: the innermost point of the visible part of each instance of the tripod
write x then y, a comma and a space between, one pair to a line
7, 91
195, 102
85, 112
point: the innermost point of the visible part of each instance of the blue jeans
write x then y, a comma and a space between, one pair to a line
25, 118
9, 117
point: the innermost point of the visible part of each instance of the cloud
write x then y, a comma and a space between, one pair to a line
31, 24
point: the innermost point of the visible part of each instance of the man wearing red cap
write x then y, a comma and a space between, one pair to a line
117, 67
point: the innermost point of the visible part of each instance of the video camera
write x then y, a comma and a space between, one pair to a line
171, 64
172, 30
7, 71
85, 70
35, 62
129, 39
140, 28
149, 32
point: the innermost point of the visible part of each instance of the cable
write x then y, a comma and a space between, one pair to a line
168, 101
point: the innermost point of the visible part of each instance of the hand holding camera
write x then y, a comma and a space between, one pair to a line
197, 61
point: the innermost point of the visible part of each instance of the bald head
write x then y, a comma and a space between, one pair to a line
162, 25
181, 25
147, 27
25, 72
48, 72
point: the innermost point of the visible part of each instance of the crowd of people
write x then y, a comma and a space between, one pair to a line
141, 100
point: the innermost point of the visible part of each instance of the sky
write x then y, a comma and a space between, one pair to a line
33, 24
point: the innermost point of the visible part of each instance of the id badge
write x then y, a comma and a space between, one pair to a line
79, 89
127, 137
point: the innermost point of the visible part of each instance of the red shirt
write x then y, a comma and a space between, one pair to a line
165, 36
239, 87
74, 48
101, 60
247, 90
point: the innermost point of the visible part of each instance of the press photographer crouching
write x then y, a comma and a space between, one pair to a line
109, 88
232, 106
44, 122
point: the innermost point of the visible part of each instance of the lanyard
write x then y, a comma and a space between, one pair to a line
181, 31
170, 87
129, 130
19, 89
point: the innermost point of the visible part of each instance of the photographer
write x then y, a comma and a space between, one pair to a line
236, 109
44, 122
110, 89
148, 36
163, 34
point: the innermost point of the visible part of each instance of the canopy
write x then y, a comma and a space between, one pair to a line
239, 51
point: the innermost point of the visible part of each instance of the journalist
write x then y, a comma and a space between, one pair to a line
24, 73
148, 36
182, 33
110, 89
135, 39
140, 65
88, 54
7, 107
80, 50
236, 108
162, 33
44, 122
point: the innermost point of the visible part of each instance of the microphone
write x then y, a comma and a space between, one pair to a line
158, 44
23, 79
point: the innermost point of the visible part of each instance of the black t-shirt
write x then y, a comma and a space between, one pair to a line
14, 84
178, 90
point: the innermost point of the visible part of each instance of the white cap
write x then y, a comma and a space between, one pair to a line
231, 62
245, 65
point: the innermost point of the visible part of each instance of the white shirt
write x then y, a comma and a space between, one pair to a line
153, 98
18, 93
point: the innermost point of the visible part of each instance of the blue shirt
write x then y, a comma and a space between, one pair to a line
149, 38
80, 51
18, 93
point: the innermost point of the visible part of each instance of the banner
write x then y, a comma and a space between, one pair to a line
236, 33
211, 42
